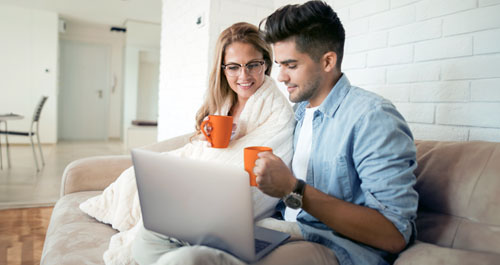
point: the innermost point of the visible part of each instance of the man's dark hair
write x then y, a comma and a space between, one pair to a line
314, 26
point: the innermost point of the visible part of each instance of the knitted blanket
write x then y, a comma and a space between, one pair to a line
266, 120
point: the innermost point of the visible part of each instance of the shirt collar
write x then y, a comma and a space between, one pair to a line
332, 102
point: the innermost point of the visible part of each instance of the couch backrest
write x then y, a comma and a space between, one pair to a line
169, 144
459, 188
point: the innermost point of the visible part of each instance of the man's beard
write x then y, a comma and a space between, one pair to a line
308, 91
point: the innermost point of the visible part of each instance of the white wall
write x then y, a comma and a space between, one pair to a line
140, 37
101, 34
28, 68
438, 61
148, 79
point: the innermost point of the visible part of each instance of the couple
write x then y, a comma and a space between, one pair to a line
349, 193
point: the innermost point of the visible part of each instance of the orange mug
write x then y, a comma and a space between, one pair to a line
222, 127
249, 156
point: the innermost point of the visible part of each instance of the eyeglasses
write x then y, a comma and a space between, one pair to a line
253, 68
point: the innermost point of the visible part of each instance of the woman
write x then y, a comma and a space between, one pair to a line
239, 86
229, 85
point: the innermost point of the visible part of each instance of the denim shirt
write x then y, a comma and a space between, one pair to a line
362, 152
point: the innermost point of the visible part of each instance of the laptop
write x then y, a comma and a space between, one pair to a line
201, 202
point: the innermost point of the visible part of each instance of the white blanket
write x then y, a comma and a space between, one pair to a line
266, 120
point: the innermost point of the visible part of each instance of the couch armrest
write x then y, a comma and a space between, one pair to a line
96, 173
93, 173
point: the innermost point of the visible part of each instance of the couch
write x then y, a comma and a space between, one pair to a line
458, 220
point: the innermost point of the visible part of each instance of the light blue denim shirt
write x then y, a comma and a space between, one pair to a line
362, 152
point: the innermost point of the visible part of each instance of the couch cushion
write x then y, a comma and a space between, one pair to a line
72, 236
460, 179
439, 229
459, 188
423, 253
477, 236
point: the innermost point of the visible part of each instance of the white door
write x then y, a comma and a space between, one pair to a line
83, 92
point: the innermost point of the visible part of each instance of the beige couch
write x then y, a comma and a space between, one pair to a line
458, 220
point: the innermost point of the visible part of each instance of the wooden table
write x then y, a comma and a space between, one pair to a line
3, 119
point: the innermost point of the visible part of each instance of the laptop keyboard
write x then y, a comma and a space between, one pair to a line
260, 245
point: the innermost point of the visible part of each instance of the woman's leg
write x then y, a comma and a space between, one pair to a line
149, 246
153, 248
198, 255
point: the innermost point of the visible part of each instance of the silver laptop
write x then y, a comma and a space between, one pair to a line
203, 203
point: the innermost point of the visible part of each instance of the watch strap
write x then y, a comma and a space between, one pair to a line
299, 187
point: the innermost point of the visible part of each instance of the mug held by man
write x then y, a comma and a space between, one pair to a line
250, 154
222, 127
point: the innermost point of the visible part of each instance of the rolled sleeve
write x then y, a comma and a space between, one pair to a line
384, 155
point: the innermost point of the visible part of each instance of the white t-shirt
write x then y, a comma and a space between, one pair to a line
301, 156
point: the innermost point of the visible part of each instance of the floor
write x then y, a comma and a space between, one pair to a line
22, 233
22, 186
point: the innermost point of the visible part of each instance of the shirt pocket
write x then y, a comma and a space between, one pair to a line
335, 178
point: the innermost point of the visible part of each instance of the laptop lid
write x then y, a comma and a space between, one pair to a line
200, 202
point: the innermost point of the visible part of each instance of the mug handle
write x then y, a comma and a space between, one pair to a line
202, 128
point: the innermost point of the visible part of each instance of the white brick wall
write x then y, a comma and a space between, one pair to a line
357, 27
183, 65
187, 52
390, 56
368, 76
485, 90
417, 112
418, 72
366, 42
395, 93
227, 12
237, 11
472, 114
453, 91
435, 8
472, 20
484, 134
473, 67
437, 60
355, 61
487, 42
439, 132
399, 3
415, 32
488, 2
393, 18
366, 8
457, 46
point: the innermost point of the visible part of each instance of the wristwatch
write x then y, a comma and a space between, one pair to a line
294, 199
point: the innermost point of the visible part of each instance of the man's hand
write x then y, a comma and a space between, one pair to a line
273, 176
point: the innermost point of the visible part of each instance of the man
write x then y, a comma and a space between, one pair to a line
351, 184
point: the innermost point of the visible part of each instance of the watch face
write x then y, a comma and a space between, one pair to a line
293, 201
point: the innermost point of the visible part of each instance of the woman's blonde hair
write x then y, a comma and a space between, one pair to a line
218, 87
